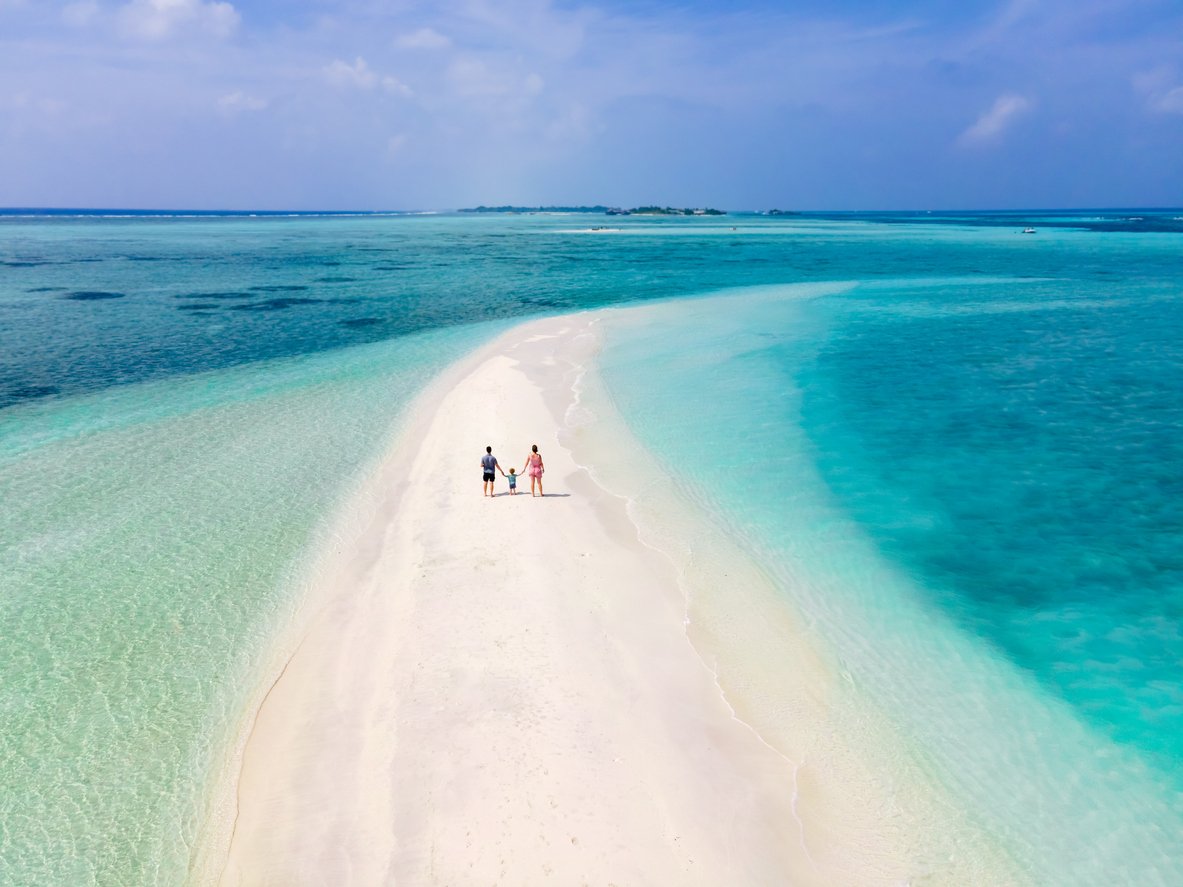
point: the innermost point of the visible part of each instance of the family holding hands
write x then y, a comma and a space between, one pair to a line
533, 466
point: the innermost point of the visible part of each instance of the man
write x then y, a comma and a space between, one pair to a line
489, 467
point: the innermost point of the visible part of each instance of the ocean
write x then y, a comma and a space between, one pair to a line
955, 449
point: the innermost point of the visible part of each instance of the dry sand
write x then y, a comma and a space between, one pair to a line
502, 691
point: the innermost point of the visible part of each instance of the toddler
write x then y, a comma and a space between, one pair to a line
513, 481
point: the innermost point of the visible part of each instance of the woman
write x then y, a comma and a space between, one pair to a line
534, 468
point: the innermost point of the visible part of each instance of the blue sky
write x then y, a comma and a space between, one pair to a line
360, 104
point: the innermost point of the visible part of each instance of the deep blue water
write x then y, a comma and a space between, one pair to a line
1027, 463
88, 301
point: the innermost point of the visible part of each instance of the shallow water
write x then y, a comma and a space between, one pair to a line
969, 489
155, 539
944, 422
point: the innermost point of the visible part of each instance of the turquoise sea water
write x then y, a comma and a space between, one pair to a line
939, 420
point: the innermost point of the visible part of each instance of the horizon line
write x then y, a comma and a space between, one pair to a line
556, 208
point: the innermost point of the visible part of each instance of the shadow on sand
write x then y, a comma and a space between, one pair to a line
528, 496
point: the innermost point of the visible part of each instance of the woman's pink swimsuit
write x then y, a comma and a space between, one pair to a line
535, 465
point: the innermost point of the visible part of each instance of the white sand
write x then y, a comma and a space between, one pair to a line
503, 691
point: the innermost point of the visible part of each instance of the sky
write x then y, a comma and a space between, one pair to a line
751, 104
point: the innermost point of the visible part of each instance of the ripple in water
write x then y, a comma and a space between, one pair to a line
92, 296
221, 295
277, 304
361, 322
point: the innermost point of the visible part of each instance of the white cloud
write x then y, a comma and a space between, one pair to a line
161, 19
394, 86
360, 75
1010, 17
471, 76
236, 102
424, 38
81, 14
357, 75
1160, 91
1170, 102
992, 124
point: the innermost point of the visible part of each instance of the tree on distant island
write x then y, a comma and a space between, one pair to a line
674, 211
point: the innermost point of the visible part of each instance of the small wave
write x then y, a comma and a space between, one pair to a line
92, 295
31, 392
216, 295
277, 304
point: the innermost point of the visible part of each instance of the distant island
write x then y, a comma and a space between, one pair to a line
603, 210
665, 211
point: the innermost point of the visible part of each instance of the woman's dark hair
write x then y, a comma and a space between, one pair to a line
535, 448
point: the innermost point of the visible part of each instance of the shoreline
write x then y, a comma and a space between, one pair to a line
576, 729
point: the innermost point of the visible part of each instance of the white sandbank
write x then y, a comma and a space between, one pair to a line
505, 691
